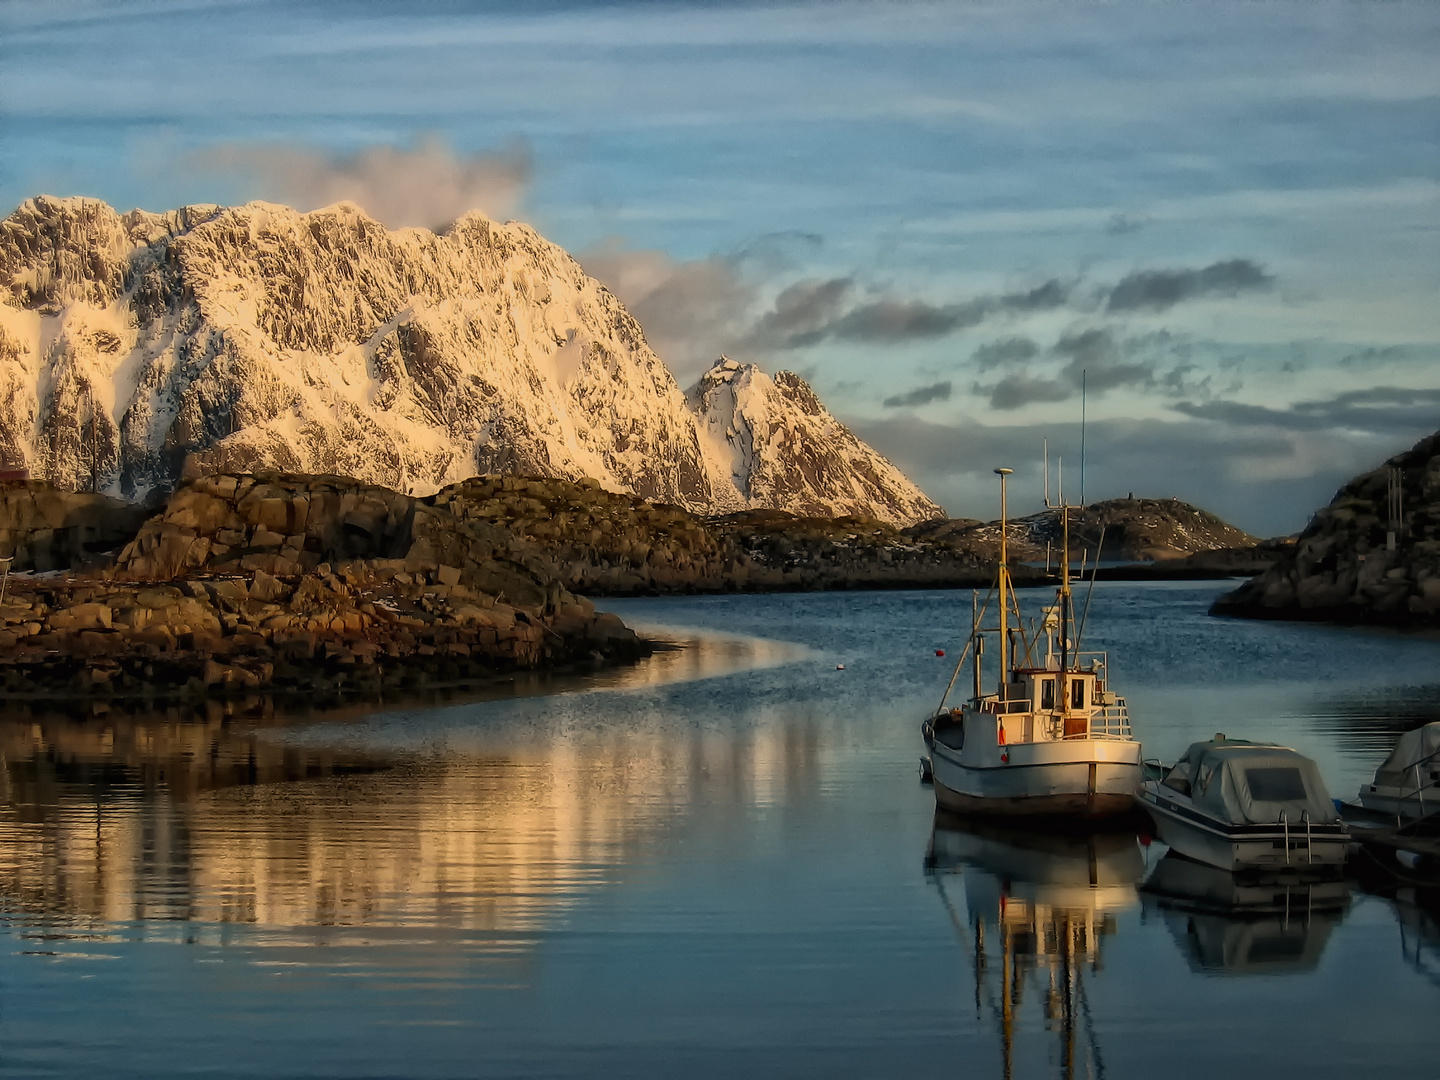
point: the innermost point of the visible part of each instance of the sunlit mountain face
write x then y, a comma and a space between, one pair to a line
1205, 226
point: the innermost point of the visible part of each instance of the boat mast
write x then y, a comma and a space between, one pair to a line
1003, 583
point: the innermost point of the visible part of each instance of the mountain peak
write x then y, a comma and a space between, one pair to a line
258, 336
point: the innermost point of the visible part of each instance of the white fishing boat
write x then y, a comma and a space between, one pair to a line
1052, 739
1407, 784
1243, 805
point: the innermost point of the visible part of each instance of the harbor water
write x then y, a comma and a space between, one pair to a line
720, 862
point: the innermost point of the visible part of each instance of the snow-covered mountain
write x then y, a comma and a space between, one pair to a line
784, 449
261, 337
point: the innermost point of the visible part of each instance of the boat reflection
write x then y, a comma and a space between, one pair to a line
1256, 924
1036, 910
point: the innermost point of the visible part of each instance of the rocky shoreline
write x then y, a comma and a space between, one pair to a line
1343, 567
283, 583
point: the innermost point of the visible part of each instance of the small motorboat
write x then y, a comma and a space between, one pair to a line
1410, 851
1237, 805
1407, 784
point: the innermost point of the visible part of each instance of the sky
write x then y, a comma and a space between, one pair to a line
1218, 219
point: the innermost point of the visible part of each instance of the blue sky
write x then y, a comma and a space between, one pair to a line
1224, 213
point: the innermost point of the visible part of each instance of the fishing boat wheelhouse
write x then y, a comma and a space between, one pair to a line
1052, 738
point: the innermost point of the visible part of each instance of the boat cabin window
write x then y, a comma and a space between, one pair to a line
1077, 694
1047, 693
1178, 780
1275, 785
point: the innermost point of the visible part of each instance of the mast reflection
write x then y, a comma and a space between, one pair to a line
1036, 910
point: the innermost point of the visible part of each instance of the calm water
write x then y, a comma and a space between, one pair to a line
719, 863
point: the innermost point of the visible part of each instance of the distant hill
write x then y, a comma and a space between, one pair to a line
1127, 530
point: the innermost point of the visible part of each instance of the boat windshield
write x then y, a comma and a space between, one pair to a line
1275, 785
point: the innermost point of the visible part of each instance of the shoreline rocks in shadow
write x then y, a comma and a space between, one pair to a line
1342, 567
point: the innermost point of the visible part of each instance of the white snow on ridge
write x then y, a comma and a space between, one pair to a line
261, 337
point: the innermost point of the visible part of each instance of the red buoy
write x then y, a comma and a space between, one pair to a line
939, 652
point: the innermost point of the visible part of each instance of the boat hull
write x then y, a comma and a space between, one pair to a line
1395, 802
1241, 847
1082, 778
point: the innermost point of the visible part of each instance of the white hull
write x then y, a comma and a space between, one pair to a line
1397, 802
1239, 847
1082, 777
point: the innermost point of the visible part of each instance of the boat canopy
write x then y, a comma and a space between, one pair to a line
1419, 747
1246, 783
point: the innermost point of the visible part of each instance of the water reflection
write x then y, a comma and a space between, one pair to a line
1036, 910
1246, 925
215, 816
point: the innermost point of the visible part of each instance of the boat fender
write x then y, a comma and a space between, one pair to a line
1005, 757
1409, 859
927, 732
927, 771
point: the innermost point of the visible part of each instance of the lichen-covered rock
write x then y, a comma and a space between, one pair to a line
42, 528
1341, 567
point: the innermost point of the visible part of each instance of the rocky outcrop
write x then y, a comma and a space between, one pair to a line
1342, 568
300, 584
43, 528
785, 451
134, 347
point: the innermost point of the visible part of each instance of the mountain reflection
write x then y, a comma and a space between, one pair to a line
213, 815
1037, 908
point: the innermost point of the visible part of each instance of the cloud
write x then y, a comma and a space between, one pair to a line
923, 395
1159, 290
691, 311
1380, 410
1093, 358
1004, 352
1123, 224
1266, 480
427, 184
812, 311
803, 314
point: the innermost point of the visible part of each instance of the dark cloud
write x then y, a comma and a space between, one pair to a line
804, 313
1093, 358
904, 320
1265, 480
1123, 224
923, 395
1006, 351
1159, 290
1379, 410
812, 311
1374, 356
1016, 391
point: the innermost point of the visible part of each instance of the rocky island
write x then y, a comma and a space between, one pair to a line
1371, 556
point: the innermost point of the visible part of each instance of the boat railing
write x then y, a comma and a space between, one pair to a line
1111, 721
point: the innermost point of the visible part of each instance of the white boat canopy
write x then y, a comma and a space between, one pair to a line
1419, 747
1246, 783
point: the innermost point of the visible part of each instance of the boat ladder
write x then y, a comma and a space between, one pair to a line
1309, 848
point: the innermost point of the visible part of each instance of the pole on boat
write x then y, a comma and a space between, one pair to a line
1002, 579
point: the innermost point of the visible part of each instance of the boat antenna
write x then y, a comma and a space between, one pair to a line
1085, 614
1045, 447
976, 614
1083, 373
1001, 584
